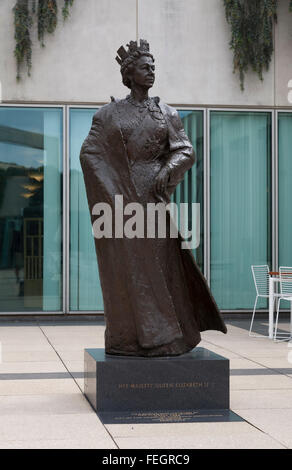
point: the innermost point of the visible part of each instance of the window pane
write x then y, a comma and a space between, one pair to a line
285, 190
30, 209
240, 204
191, 190
85, 290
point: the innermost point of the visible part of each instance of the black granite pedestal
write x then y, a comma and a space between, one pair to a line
192, 387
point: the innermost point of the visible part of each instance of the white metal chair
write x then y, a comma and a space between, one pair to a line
261, 281
285, 294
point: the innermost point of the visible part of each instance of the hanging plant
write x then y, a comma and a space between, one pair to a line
67, 4
25, 12
251, 24
47, 18
22, 25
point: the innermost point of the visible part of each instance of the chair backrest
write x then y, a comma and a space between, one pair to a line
261, 279
286, 280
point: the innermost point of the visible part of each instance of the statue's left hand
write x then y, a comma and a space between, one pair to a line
162, 180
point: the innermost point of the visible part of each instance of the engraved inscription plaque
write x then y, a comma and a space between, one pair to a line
195, 381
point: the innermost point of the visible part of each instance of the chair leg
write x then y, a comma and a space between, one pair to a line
275, 306
254, 310
290, 320
275, 302
277, 318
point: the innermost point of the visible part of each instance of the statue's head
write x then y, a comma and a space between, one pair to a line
137, 64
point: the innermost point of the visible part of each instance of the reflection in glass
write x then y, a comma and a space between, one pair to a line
191, 190
285, 193
85, 289
240, 204
30, 209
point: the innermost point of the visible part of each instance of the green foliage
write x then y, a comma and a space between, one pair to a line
252, 23
25, 12
47, 18
22, 26
67, 4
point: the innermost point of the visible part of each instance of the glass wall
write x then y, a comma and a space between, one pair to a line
85, 290
285, 188
240, 146
30, 209
191, 190
240, 203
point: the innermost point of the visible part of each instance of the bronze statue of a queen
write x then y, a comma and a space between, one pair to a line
156, 300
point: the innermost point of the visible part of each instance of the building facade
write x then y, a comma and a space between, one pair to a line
242, 139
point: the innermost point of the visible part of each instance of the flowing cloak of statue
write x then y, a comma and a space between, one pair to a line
156, 301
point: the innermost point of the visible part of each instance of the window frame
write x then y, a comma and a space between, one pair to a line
274, 188
63, 108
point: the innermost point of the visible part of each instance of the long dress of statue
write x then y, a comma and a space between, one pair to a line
156, 300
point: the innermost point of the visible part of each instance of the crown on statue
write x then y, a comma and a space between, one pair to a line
132, 49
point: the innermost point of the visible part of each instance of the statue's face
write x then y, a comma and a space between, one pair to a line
144, 72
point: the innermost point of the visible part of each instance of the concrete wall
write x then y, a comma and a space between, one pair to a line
189, 39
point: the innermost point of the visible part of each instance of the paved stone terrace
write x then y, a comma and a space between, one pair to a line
42, 404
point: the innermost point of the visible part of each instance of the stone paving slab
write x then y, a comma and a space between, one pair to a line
26, 368
277, 423
263, 399
260, 382
281, 365
85, 443
38, 387
71, 355
26, 346
29, 356
200, 436
66, 403
42, 405
54, 427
